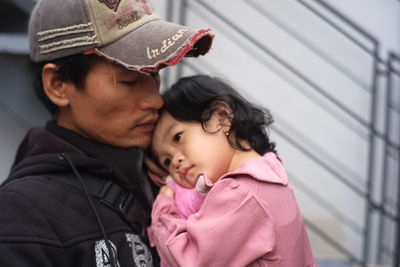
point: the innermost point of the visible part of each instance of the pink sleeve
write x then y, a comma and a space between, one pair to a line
187, 200
233, 228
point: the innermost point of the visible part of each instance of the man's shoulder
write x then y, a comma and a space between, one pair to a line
23, 203
34, 189
39, 207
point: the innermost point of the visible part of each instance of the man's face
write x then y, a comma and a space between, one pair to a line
116, 106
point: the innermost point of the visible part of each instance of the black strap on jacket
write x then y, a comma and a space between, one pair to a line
113, 196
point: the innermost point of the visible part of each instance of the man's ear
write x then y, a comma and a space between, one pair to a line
221, 118
54, 88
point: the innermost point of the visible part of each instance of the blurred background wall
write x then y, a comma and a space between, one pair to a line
329, 71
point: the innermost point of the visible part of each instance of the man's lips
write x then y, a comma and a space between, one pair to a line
146, 125
149, 124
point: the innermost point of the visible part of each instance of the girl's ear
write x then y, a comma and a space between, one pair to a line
220, 119
54, 88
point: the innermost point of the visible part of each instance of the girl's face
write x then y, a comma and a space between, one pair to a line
185, 150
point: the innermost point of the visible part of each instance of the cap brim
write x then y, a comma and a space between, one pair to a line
157, 44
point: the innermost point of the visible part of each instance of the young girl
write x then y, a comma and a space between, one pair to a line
210, 137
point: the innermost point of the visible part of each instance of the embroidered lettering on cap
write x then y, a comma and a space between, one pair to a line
112, 4
166, 44
123, 18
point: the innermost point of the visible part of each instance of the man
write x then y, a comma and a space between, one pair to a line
77, 194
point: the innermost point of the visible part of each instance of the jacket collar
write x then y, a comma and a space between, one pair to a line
267, 168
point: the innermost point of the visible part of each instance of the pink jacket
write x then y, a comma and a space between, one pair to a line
249, 218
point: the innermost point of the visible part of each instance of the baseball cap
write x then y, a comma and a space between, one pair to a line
127, 32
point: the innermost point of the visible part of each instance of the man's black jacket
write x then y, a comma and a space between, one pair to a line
46, 221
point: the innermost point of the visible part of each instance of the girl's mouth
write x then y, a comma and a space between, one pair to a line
183, 173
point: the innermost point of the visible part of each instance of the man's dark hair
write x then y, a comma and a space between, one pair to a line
195, 98
71, 69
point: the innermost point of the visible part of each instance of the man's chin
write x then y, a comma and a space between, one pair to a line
143, 143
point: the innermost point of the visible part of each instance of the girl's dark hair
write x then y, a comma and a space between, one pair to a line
195, 98
72, 69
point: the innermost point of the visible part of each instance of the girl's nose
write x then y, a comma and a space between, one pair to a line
177, 160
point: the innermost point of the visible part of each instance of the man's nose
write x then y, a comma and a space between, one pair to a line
152, 100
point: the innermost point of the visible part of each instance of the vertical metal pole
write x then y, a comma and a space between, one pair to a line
396, 254
169, 17
371, 156
170, 10
182, 20
382, 217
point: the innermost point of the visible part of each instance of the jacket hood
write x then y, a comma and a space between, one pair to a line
39, 154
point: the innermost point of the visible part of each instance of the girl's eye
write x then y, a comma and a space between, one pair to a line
177, 137
167, 162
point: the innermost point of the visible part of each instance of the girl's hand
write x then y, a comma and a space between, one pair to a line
155, 172
153, 166
166, 191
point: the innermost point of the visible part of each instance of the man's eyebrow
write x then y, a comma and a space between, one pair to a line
124, 71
